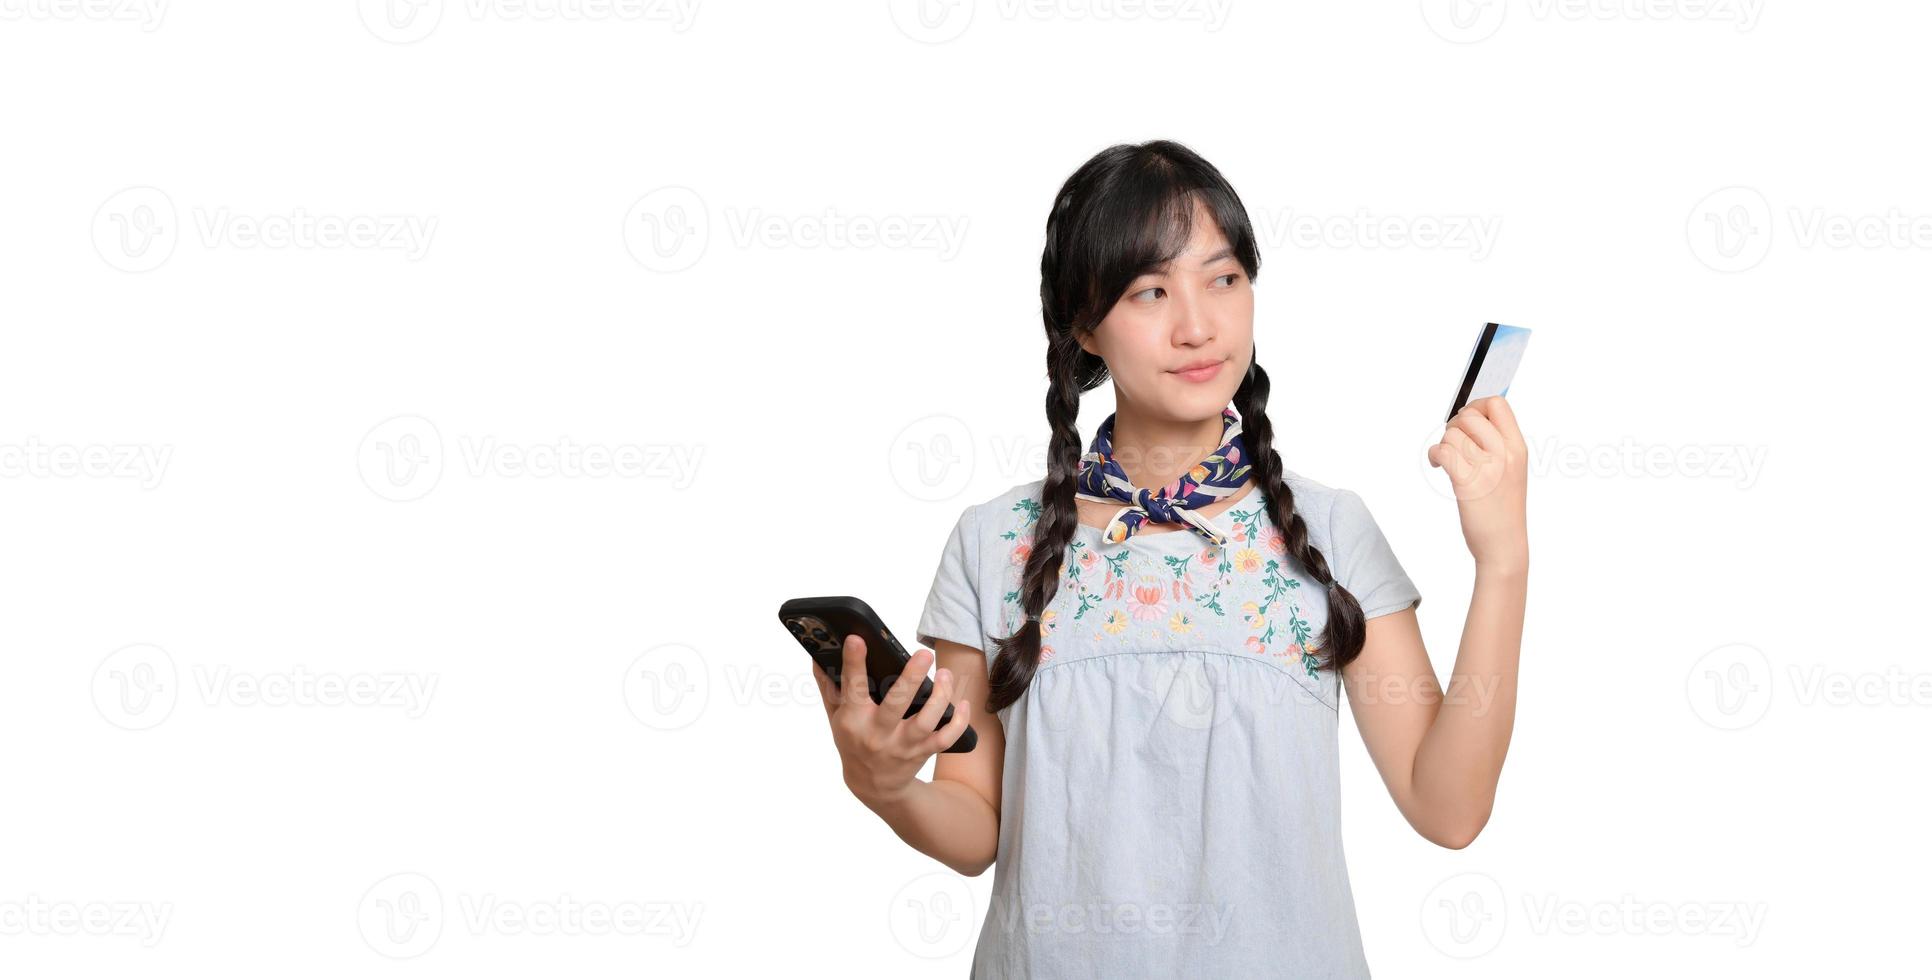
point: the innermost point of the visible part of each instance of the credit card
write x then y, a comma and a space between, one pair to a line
1492, 363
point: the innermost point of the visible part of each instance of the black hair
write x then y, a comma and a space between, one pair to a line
1127, 211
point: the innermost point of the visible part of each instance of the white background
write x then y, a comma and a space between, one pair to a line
1717, 763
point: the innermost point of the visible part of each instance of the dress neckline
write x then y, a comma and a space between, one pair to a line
1220, 520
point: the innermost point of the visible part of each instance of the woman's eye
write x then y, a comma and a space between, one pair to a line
1230, 277
1150, 289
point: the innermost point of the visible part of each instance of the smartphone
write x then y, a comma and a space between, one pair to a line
820, 624
1492, 363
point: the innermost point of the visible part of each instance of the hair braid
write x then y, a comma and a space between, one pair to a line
1341, 640
1018, 655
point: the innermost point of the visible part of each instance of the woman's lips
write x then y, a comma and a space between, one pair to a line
1199, 373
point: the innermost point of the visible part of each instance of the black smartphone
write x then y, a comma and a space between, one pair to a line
820, 624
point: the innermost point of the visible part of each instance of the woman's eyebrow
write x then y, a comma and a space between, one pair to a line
1162, 267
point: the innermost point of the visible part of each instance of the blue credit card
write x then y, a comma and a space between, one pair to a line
1492, 363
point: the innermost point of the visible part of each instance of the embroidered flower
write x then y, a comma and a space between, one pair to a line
1115, 622
1022, 551
1046, 654
1179, 623
1046, 621
1247, 560
1149, 600
1276, 541
1254, 645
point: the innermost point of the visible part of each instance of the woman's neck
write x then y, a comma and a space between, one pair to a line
1154, 452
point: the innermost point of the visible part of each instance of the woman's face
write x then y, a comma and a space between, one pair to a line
1199, 308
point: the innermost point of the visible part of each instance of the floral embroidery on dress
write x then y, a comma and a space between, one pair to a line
1126, 592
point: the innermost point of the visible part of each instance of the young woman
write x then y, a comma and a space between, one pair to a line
1163, 625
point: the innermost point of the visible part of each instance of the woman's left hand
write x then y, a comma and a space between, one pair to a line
1487, 460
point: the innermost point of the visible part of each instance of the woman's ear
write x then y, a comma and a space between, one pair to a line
1086, 341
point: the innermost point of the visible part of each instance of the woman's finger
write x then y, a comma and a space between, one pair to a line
1459, 454
1504, 418
923, 723
1472, 420
944, 738
898, 697
854, 694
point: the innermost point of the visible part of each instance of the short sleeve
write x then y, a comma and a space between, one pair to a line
952, 605
1364, 561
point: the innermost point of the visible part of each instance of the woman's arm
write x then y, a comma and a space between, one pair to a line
954, 818
1441, 756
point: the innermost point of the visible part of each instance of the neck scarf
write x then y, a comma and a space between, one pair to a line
1219, 475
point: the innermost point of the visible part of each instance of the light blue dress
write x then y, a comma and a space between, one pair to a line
1170, 801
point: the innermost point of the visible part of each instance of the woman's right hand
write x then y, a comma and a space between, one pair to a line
882, 749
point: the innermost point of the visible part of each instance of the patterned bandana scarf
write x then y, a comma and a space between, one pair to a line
1215, 477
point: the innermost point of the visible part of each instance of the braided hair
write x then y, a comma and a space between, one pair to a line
1126, 210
